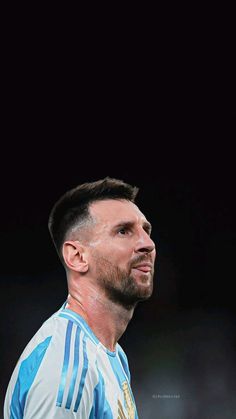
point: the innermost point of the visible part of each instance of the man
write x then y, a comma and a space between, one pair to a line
73, 367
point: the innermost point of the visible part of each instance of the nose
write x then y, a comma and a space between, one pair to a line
144, 243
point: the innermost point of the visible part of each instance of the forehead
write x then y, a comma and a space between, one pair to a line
113, 210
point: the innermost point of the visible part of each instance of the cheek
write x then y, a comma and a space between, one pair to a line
114, 253
121, 259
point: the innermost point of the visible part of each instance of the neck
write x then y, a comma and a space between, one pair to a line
108, 320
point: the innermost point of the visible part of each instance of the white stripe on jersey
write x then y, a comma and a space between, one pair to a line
65, 372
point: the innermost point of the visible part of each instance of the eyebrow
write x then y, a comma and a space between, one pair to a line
129, 224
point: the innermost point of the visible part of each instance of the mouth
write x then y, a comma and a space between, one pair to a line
144, 267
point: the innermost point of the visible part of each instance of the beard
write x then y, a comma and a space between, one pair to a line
120, 285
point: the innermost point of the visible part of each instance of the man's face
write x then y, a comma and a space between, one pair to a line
121, 252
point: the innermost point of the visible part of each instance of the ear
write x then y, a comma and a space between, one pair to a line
74, 256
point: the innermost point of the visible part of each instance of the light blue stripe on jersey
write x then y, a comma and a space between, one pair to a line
83, 375
124, 362
79, 320
27, 372
101, 407
121, 376
65, 363
117, 369
75, 368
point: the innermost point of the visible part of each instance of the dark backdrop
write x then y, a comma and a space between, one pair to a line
181, 342
169, 131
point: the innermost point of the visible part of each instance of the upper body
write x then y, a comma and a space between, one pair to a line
74, 366
66, 372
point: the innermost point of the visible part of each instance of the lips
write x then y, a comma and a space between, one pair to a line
144, 267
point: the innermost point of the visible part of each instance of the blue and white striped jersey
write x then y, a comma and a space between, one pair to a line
65, 372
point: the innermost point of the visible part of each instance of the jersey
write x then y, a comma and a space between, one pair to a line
66, 372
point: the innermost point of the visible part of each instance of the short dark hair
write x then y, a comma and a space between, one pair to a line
73, 207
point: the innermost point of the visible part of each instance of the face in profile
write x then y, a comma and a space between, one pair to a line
122, 254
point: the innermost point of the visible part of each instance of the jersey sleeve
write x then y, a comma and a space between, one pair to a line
55, 378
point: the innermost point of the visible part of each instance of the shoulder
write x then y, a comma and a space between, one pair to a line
70, 348
57, 371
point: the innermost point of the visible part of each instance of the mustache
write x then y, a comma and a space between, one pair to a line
140, 259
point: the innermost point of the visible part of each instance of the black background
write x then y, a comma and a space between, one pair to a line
165, 123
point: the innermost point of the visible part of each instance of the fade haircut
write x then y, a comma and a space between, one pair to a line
72, 209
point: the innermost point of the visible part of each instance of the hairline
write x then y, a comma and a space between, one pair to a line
89, 219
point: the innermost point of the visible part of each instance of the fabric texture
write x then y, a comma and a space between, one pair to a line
66, 372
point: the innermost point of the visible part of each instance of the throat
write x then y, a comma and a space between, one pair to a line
107, 320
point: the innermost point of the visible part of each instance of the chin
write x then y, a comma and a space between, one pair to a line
145, 292
144, 281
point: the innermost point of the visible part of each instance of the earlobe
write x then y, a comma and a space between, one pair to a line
74, 256
83, 266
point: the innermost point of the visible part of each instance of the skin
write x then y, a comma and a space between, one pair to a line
110, 271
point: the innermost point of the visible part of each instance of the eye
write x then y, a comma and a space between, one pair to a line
123, 231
